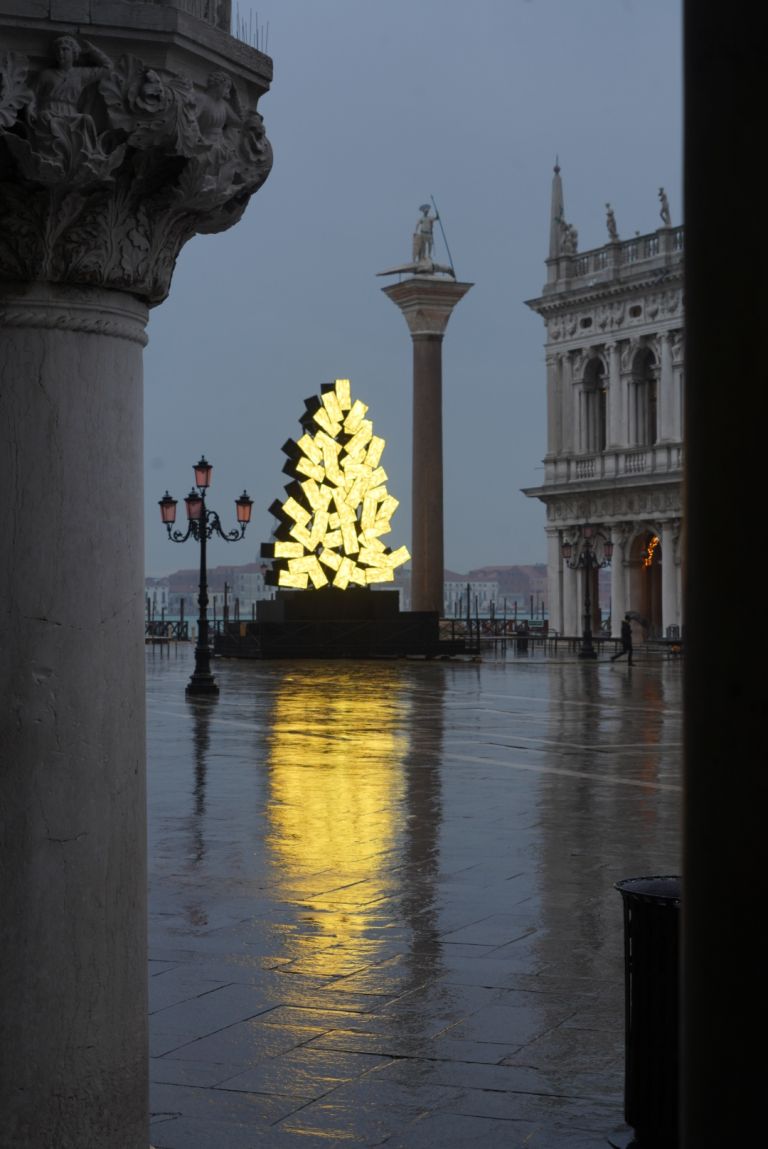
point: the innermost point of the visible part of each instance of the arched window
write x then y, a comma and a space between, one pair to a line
645, 394
593, 428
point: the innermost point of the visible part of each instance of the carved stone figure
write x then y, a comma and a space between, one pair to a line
114, 166
214, 112
610, 220
67, 145
570, 239
664, 212
422, 235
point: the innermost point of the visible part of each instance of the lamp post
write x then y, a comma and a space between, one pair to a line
203, 524
583, 556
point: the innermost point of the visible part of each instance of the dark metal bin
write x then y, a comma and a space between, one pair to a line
651, 960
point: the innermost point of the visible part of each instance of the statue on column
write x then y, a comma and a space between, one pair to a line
422, 235
422, 243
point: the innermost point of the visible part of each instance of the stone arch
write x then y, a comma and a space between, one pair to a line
645, 560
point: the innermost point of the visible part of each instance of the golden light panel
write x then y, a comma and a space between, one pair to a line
337, 506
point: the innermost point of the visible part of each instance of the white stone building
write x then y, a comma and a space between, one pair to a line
482, 592
614, 357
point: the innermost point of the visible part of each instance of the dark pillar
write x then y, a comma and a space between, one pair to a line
427, 474
725, 1001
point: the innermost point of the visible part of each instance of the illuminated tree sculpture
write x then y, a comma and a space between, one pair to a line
337, 507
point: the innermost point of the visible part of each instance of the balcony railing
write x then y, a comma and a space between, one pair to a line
659, 247
661, 460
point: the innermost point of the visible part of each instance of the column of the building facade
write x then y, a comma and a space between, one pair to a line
676, 338
554, 404
555, 580
670, 575
666, 405
619, 574
101, 187
568, 406
615, 398
572, 600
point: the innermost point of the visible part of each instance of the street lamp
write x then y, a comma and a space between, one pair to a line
203, 524
584, 557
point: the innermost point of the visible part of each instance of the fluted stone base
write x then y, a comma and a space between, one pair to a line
73, 1055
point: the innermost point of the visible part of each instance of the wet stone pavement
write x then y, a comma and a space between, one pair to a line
382, 903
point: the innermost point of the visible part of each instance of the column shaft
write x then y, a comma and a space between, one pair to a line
618, 583
72, 946
427, 559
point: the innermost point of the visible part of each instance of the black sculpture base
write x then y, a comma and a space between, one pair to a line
331, 623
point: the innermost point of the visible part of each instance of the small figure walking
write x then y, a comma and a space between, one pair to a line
626, 641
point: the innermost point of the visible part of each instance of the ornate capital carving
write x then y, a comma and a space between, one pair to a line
108, 169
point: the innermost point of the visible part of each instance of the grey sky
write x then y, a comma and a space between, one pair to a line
375, 106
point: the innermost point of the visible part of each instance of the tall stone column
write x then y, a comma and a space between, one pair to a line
427, 303
115, 148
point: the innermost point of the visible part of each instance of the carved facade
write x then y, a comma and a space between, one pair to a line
109, 167
614, 356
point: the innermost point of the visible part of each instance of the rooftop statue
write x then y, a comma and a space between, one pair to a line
610, 221
664, 212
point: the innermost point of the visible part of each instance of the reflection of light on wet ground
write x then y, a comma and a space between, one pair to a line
382, 896
335, 762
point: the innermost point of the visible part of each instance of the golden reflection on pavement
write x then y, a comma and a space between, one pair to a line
337, 743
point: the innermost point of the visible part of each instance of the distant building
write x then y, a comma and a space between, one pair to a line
614, 356
482, 593
156, 597
242, 585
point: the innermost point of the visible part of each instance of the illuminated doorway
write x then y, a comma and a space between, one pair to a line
645, 583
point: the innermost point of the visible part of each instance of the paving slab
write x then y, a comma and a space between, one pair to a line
382, 903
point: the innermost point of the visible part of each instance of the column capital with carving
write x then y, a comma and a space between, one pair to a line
427, 302
111, 163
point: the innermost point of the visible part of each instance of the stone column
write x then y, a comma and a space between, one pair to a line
615, 404
555, 581
427, 303
109, 166
573, 610
554, 404
666, 391
619, 596
670, 603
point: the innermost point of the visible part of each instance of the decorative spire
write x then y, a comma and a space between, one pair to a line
557, 215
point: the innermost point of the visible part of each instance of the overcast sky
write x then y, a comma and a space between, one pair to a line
377, 105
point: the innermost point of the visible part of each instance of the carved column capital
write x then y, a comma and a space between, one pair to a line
109, 168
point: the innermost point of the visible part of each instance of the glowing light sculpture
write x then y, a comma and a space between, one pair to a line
337, 503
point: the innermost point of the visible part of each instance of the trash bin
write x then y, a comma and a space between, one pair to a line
651, 952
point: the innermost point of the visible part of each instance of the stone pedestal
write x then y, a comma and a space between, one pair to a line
427, 303
114, 150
